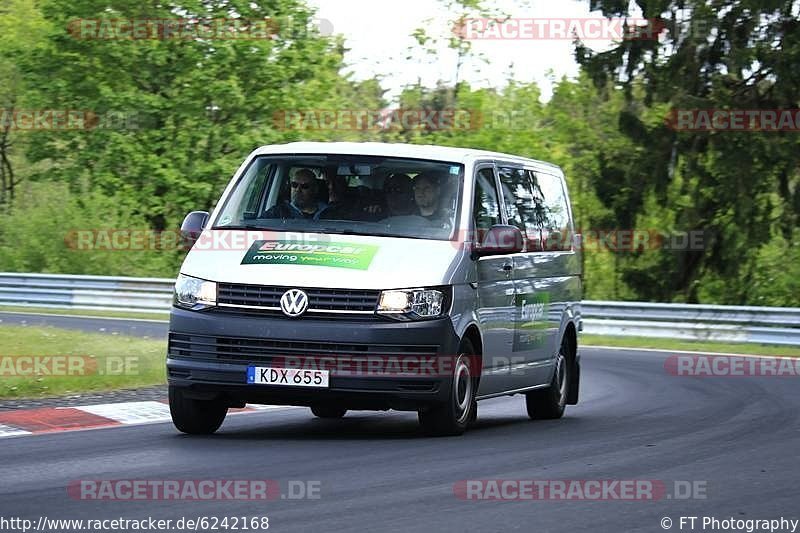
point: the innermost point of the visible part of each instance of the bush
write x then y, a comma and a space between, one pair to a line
775, 279
38, 233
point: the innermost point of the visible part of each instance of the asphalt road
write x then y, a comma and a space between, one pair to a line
737, 438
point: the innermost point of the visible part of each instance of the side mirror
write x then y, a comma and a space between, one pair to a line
193, 225
501, 239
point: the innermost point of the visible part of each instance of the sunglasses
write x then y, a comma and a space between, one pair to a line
301, 186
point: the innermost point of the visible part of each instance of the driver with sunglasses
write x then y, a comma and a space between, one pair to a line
304, 201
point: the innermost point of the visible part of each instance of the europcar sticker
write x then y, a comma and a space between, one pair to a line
530, 329
330, 254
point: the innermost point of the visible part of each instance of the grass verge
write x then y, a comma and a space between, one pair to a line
98, 362
689, 346
164, 317
83, 362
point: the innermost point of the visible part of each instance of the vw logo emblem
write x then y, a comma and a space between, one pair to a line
294, 302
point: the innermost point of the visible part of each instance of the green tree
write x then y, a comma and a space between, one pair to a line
177, 115
741, 187
22, 28
44, 229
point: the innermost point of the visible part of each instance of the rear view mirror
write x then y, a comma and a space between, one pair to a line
501, 239
193, 225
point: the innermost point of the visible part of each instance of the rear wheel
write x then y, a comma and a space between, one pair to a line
453, 416
549, 403
195, 417
328, 411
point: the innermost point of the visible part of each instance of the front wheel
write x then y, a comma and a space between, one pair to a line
195, 417
549, 403
453, 416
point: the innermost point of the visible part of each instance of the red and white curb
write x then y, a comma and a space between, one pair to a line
55, 419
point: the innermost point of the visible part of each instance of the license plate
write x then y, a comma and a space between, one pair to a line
288, 377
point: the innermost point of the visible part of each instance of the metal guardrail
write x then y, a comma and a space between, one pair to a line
728, 323
104, 293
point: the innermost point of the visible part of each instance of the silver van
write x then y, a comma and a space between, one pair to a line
372, 276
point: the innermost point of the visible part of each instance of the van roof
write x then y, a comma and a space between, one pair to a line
414, 151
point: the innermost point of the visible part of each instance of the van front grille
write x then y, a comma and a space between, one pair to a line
319, 299
243, 349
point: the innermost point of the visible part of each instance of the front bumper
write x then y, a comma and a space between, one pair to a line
209, 353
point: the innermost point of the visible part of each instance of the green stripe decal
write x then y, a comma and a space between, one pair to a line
329, 254
530, 328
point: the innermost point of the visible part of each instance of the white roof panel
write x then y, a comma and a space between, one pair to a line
414, 151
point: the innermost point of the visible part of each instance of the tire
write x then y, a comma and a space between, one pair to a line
328, 411
549, 403
453, 416
195, 417
474, 416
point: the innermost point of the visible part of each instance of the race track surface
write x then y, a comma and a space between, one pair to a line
737, 438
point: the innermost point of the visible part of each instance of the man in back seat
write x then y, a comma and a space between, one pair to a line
343, 204
397, 199
429, 197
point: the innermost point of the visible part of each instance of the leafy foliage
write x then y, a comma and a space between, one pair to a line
176, 117
40, 234
742, 187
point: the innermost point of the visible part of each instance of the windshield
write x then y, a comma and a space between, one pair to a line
384, 196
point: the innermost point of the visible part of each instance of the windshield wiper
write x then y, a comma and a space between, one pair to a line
339, 231
353, 232
325, 230
242, 226
404, 236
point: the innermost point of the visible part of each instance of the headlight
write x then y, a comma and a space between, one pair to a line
412, 304
193, 293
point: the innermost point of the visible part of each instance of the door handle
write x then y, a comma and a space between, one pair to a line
506, 268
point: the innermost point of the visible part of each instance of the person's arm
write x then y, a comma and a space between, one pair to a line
282, 210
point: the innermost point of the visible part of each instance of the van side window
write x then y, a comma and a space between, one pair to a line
554, 217
486, 208
255, 189
248, 195
522, 207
